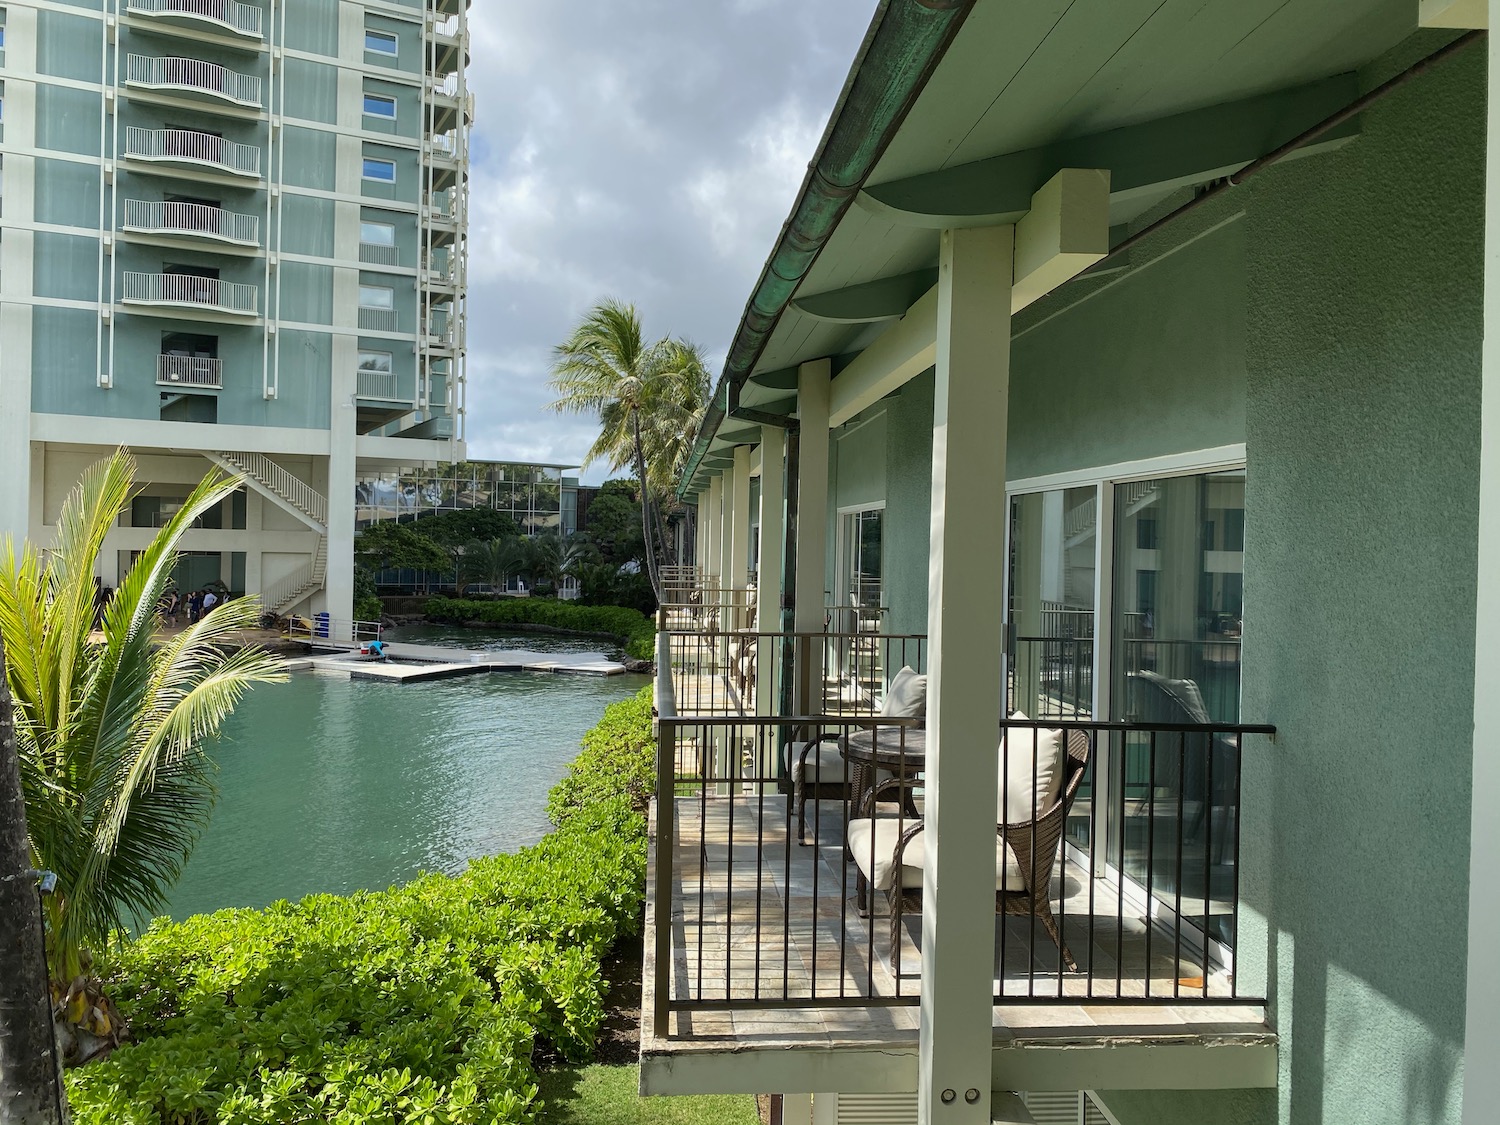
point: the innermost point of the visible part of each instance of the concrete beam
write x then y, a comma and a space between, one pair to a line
1467, 14
1144, 160
902, 352
1065, 232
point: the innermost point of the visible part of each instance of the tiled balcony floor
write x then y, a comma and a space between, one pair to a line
758, 918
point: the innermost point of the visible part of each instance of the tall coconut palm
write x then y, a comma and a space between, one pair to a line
111, 725
30, 1082
645, 396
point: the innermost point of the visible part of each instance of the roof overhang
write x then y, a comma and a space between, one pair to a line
1002, 99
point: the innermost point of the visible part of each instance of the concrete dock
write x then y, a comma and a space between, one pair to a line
412, 663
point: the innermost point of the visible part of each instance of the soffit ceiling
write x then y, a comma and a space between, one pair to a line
1021, 75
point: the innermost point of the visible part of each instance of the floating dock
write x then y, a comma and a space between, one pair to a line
411, 663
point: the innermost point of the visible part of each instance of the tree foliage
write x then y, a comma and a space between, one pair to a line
614, 524
391, 545
459, 528
110, 727
646, 397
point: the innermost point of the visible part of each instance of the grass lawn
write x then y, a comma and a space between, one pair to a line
606, 1095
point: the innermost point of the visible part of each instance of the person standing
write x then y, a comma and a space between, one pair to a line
210, 599
194, 605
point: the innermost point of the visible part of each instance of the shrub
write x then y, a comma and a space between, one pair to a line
618, 758
421, 1003
636, 631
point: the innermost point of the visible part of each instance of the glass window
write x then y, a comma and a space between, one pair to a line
377, 297
1175, 645
380, 42
377, 234
375, 361
378, 105
382, 170
1051, 612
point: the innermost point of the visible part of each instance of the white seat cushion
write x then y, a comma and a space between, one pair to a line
1030, 772
906, 696
825, 763
886, 831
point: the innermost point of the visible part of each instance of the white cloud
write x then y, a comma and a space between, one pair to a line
646, 151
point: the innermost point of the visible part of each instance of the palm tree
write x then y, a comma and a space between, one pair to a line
110, 727
493, 561
30, 1084
646, 397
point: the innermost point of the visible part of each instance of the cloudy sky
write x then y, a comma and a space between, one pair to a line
636, 149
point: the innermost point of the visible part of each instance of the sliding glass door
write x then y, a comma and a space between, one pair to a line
1178, 597
1124, 602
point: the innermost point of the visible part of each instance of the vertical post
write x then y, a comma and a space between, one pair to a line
660, 924
696, 509
712, 534
1482, 1013
813, 393
964, 709
768, 565
739, 534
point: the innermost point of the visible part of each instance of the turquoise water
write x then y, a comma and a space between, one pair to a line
329, 784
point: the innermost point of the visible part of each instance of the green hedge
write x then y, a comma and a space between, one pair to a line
618, 759
422, 1003
636, 631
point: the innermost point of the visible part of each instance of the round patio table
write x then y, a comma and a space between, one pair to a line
897, 750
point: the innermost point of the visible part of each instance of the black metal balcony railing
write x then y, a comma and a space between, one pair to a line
1136, 864
717, 671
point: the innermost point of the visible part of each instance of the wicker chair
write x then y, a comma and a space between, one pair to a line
818, 754
1034, 845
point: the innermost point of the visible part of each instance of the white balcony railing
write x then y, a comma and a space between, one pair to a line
376, 254
242, 19
377, 385
189, 289
191, 219
193, 74
189, 371
185, 146
377, 320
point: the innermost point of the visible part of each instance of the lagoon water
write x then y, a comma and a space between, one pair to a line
328, 784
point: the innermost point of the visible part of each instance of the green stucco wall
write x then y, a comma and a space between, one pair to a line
1364, 295
1327, 314
1171, 377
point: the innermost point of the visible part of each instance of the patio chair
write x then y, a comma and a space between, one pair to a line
817, 766
1026, 849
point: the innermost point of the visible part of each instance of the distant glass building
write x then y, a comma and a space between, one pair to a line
540, 498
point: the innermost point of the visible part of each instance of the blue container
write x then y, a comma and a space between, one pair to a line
320, 624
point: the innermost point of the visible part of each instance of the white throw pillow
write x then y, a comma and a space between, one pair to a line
906, 697
1034, 757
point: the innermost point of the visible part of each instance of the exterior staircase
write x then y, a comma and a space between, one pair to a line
283, 596
300, 499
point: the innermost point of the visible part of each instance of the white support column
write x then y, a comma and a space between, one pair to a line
1482, 1014
739, 529
712, 527
813, 391
727, 517
814, 395
964, 691
768, 564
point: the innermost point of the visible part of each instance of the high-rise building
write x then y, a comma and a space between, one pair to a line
232, 233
